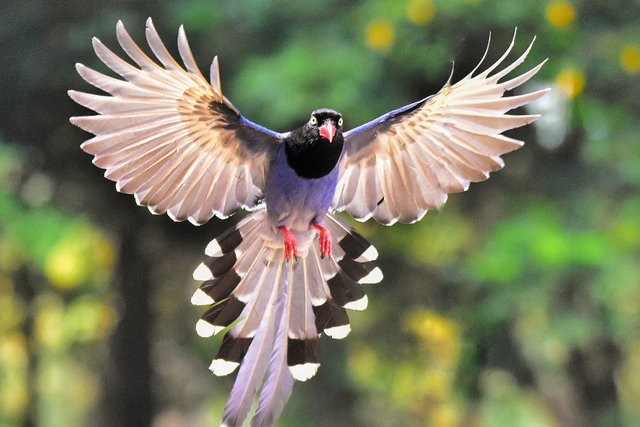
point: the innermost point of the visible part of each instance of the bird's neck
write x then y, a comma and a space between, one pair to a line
313, 158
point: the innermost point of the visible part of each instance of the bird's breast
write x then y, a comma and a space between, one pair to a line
315, 158
294, 201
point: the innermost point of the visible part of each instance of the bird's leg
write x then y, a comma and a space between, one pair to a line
290, 248
325, 240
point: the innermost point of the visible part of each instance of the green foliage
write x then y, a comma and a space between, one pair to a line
281, 90
53, 298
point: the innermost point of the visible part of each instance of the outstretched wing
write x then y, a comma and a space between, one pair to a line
170, 138
400, 165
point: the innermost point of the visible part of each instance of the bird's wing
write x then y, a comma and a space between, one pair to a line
167, 136
400, 165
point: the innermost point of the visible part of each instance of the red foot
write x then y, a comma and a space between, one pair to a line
325, 240
290, 249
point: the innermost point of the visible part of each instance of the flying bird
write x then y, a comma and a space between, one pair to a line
287, 272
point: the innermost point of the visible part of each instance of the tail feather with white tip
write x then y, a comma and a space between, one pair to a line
274, 310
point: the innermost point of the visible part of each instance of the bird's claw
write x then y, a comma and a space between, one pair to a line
326, 240
290, 248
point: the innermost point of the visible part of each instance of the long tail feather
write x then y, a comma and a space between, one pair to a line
279, 382
276, 309
255, 361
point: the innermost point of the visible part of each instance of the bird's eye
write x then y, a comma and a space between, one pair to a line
340, 122
313, 120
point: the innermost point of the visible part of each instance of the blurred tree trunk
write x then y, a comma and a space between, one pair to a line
593, 371
26, 290
128, 399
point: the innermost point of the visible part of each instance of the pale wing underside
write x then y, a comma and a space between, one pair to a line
404, 163
170, 138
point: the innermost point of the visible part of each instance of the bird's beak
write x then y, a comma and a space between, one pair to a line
328, 130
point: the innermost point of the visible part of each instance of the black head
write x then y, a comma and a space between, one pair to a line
314, 149
325, 124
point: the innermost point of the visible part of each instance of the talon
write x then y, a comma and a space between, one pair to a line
290, 248
325, 240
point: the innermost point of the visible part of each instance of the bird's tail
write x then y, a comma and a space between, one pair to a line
273, 310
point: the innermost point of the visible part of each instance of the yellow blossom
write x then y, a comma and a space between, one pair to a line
445, 415
440, 335
420, 12
65, 266
570, 82
630, 58
79, 257
363, 363
13, 350
431, 327
380, 35
13, 360
88, 318
49, 327
561, 13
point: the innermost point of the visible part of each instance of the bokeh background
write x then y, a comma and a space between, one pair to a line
518, 304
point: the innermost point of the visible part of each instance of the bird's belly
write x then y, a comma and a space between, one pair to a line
297, 202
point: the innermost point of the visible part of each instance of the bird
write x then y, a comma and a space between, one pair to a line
288, 271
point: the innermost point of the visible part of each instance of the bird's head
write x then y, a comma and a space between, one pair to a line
314, 149
325, 123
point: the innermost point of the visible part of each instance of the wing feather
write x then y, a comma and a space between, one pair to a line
117, 87
187, 56
432, 147
163, 127
133, 50
159, 49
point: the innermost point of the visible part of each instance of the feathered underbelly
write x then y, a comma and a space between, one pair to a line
297, 202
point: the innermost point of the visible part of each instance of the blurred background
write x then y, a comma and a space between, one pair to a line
518, 304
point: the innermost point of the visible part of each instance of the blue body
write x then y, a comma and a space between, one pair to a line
296, 202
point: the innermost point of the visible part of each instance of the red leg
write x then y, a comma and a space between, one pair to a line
290, 249
325, 240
